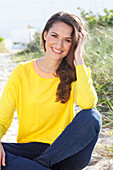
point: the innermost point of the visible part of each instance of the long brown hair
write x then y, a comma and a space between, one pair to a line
66, 70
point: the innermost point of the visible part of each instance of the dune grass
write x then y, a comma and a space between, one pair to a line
3, 48
99, 57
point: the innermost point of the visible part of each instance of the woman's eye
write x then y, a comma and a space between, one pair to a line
68, 41
54, 35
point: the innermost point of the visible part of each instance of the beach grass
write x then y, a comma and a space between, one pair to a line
3, 49
99, 57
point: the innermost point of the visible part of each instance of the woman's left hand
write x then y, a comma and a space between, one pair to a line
78, 52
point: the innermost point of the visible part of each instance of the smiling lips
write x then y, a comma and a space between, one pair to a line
56, 51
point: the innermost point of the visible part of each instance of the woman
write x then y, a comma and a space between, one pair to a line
44, 92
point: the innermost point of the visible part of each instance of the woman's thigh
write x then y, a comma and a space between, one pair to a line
77, 161
14, 162
26, 150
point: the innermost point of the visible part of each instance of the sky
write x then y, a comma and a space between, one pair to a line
16, 15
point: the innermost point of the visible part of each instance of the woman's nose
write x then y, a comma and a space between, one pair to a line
60, 43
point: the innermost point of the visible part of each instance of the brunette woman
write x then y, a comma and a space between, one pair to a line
44, 92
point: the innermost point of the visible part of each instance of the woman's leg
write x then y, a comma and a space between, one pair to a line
20, 155
26, 150
14, 162
79, 136
77, 161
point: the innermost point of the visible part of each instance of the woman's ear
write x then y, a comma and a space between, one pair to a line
45, 35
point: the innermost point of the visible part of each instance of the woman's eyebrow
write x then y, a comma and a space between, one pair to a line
65, 37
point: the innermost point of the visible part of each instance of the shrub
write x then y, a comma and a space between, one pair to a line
96, 19
1, 39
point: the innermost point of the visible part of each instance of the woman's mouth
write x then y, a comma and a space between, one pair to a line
56, 51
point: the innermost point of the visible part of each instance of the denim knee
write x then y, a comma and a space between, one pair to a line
83, 129
92, 117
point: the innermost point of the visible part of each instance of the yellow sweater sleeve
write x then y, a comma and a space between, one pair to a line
8, 102
84, 92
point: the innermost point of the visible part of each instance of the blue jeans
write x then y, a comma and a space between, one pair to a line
72, 150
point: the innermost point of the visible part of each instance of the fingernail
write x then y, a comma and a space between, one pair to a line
4, 164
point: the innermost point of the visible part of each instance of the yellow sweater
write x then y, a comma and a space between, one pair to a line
41, 119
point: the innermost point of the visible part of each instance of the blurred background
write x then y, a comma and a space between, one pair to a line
16, 15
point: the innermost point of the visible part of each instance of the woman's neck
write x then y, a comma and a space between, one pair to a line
48, 65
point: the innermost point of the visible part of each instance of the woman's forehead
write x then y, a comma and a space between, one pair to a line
61, 28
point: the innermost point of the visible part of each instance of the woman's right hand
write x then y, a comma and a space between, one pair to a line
78, 55
2, 155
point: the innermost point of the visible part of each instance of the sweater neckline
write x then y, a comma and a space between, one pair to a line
41, 73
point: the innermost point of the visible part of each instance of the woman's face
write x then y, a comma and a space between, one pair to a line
58, 40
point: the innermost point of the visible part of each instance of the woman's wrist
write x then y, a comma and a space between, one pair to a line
79, 61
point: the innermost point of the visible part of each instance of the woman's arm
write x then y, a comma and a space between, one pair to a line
8, 102
83, 89
84, 92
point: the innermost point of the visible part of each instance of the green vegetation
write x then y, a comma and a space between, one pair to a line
25, 56
108, 148
2, 45
97, 20
34, 50
1, 39
98, 56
